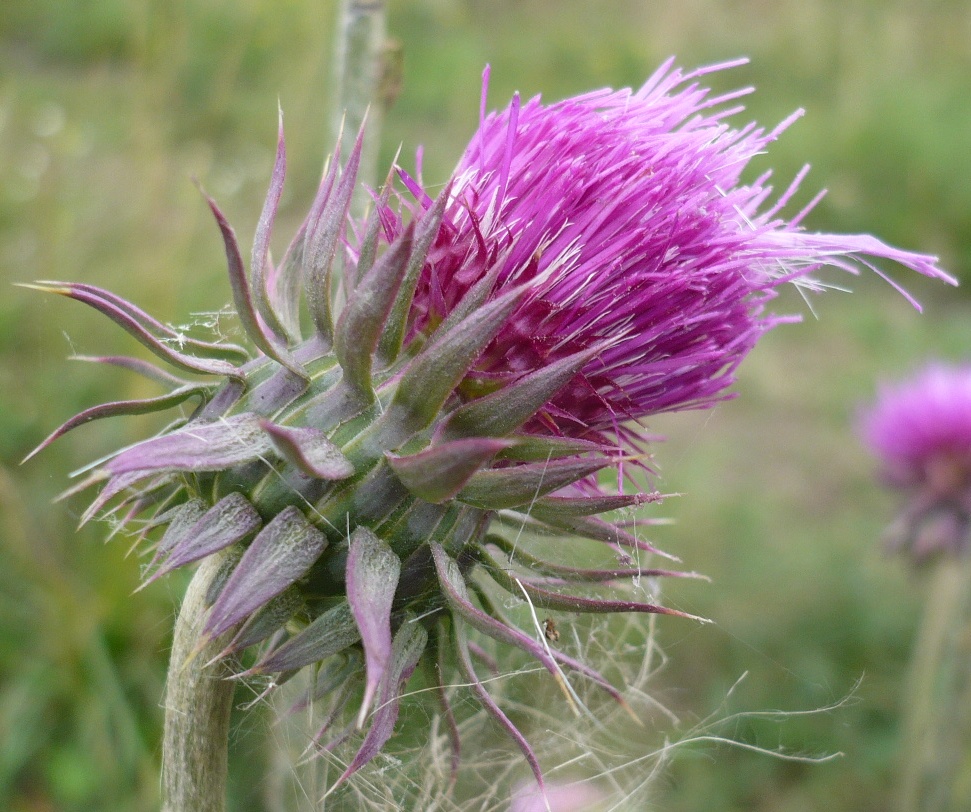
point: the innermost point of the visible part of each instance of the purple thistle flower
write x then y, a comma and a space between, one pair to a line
919, 429
367, 470
623, 215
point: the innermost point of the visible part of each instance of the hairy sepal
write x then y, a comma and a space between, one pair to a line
137, 365
271, 345
329, 634
335, 673
268, 620
261, 243
433, 374
537, 448
547, 599
468, 672
505, 410
309, 450
373, 571
230, 520
438, 473
325, 226
208, 447
538, 566
456, 594
280, 555
178, 522
364, 318
520, 485
156, 337
397, 319
594, 528
407, 648
118, 408
574, 507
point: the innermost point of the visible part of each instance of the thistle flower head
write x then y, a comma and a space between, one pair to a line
624, 215
368, 464
919, 429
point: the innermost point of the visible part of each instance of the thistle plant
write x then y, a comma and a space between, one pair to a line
419, 385
919, 429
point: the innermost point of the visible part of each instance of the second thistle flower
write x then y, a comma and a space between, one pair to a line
919, 428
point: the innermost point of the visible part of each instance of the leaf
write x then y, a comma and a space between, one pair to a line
504, 411
119, 407
207, 447
271, 346
329, 634
364, 318
153, 335
280, 555
373, 570
227, 522
520, 485
409, 643
437, 473
309, 450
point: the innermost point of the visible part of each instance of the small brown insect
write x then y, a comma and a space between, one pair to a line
550, 631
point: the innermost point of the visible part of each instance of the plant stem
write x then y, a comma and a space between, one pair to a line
937, 689
359, 55
198, 700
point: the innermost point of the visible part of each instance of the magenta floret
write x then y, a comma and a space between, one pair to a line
625, 215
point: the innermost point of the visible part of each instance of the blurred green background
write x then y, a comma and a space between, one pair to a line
109, 107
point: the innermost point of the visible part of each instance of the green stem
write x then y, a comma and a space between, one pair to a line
360, 52
935, 691
198, 700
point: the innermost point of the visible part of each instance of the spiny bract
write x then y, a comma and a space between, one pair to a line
463, 366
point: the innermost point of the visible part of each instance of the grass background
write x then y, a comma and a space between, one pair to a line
108, 107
